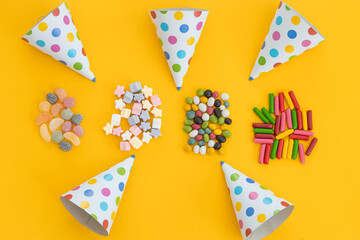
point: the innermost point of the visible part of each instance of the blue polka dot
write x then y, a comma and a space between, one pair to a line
40, 43
278, 20
108, 177
63, 62
267, 201
274, 53
164, 27
263, 45
89, 193
121, 186
238, 190
292, 34
167, 55
250, 211
184, 28
72, 53
249, 180
56, 32
181, 54
103, 206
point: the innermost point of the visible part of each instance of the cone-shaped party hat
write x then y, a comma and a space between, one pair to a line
179, 30
290, 35
56, 35
95, 202
258, 211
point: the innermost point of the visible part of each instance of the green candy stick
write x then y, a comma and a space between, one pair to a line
264, 130
294, 119
295, 149
271, 103
274, 149
260, 115
268, 115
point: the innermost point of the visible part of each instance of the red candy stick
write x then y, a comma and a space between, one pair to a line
281, 102
264, 136
277, 125
299, 137
301, 153
280, 149
262, 153
299, 118
262, 125
309, 120
294, 100
267, 154
311, 146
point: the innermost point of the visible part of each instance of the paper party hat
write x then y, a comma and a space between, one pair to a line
290, 35
57, 36
95, 202
179, 30
258, 211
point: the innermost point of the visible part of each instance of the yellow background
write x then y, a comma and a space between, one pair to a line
172, 194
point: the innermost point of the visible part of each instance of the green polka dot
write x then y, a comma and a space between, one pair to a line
161, 42
78, 66
262, 60
77, 35
121, 171
163, 12
117, 201
94, 216
292, 57
276, 211
262, 187
29, 32
234, 177
176, 67
287, 7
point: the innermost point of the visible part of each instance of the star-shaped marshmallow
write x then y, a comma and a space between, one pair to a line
155, 133
119, 104
119, 91
146, 105
126, 136
146, 137
148, 92
108, 129
156, 112
144, 115
145, 126
117, 131
139, 97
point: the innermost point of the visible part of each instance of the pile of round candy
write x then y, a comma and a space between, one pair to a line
58, 122
207, 121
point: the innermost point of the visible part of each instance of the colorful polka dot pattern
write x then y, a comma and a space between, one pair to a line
55, 36
101, 195
253, 203
179, 30
290, 35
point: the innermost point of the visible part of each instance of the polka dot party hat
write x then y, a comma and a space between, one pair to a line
95, 202
57, 36
290, 35
179, 30
258, 211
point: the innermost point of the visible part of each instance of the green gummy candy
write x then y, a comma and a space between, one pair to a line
57, 136
206, 137
204, 125
271, 103
274, 149
268, 115
295, 149
200, 92
188, 122
189, 100
187, 129
226, 133
213, 119
294, 119
221, 120
260, 115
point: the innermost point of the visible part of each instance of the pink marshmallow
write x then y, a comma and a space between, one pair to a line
137, 107
135, 130
155, 101
125, 146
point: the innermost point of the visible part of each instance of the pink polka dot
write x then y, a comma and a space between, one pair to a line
105, 192
172, 40
241, 224
306, 43
76, 188
276, 35
199, 25
55, 48
66, 20
253, 195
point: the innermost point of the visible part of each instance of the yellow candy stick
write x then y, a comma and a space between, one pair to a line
304, 120
288, 100
289, 151
285, 149
285, 134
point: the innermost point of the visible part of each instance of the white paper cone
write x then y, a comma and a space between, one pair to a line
95, 202
290, 35
258, 211
56, 35
179, 30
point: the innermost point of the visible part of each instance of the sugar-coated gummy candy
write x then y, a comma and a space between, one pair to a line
211, 143
78, 130
57, 136
208, 93
56, 109
227, 104
205, 124
217, 112
226, 133
220, 138
217, 146
211, 102
44, 133
222, 107
52, 98
202, 107
201, 131
188, 122
190, 114
77, 119
191, 141
215, 94
201, 143
61, 94
228, 121
202, 150
217, 103
187, 129
43, 118
189, 100
206, 137
225, 113
208, 131
210, 150
221, 120
69, 102
196, 149
200, 92
224, 96
67, 126
193, 133
188, 148
44, 107
213, 119
196, 100
65, 146
75, 140
67, 114
55, 124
